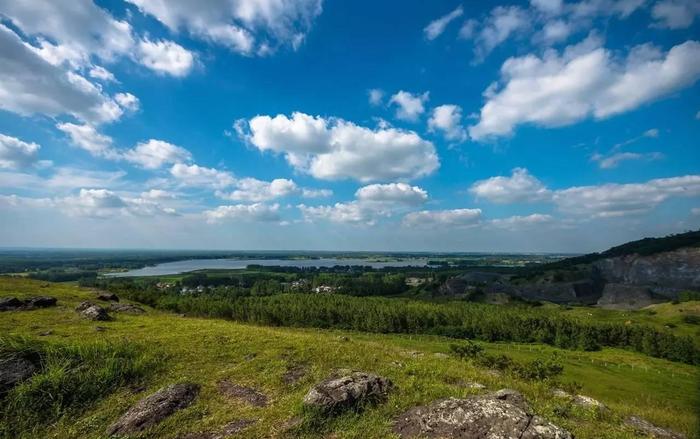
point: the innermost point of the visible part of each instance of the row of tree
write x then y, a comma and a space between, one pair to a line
455, 319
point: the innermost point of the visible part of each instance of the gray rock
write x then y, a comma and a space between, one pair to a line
510, 396
647, 428
40, 302
126, 308
665, 273
14, 370
10, 303
247, 394
107, 296
15, 304
154, 408
348, 391
294, 374
477, 417
93, 312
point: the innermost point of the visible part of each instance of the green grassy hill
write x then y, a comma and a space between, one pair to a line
169, 349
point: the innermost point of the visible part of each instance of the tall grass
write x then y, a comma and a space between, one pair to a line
71, 376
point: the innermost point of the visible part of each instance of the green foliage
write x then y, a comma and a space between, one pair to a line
536, 370
456, 319
691, 319
71, 377
687, 296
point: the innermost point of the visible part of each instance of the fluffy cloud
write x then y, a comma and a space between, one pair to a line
166, 57
92, 203
521, 186
244, 26
102, 74
335, 149
349, 213
16, 153
409, 106
548, 6
371, 203
127, 101
436, 27
443, 218
72, 35
199, 176
244, 212
392, 193
675, 14
613, 160
585, 80
612, 200
518, 222
30, 85
88, 138
251, 189
448, 120
153, 154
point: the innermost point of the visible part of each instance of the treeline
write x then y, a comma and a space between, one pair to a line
455, 319
63, 275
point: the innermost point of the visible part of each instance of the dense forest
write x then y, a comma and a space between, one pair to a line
455, 319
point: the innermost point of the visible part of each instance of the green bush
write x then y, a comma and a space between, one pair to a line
70, 378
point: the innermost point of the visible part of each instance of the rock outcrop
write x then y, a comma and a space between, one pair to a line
14, 370
650, 430
666, 274
15, 304
107, 296
154, 408
355, 389
500, 415
247, 394
126, 308
621, 296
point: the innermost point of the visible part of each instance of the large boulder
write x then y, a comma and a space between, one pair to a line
14, 370
10, 303
107, 296
92, 312
352, 390
15, 304
154, 408
502, 415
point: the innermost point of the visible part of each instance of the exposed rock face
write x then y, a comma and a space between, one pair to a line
126, 308
651, 430
247, 394
621, 296
13, 371
154, 408
15, 304
665, 273
477, 417
92, 312
453, 287
352, 390
584, 291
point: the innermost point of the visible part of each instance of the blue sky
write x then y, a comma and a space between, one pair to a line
302, 124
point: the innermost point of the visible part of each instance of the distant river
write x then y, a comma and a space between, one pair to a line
239, 264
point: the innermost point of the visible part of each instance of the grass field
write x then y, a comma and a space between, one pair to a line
206, 351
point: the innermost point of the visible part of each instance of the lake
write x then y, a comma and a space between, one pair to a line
177, 267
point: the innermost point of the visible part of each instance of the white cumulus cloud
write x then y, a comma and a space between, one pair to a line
244, 212
409, 107
443, 218
448, 120
16, 153
521, 186
166, 57
436, 27
334, 149
586, 80
154, 154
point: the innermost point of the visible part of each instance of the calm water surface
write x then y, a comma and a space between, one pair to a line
239, 264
